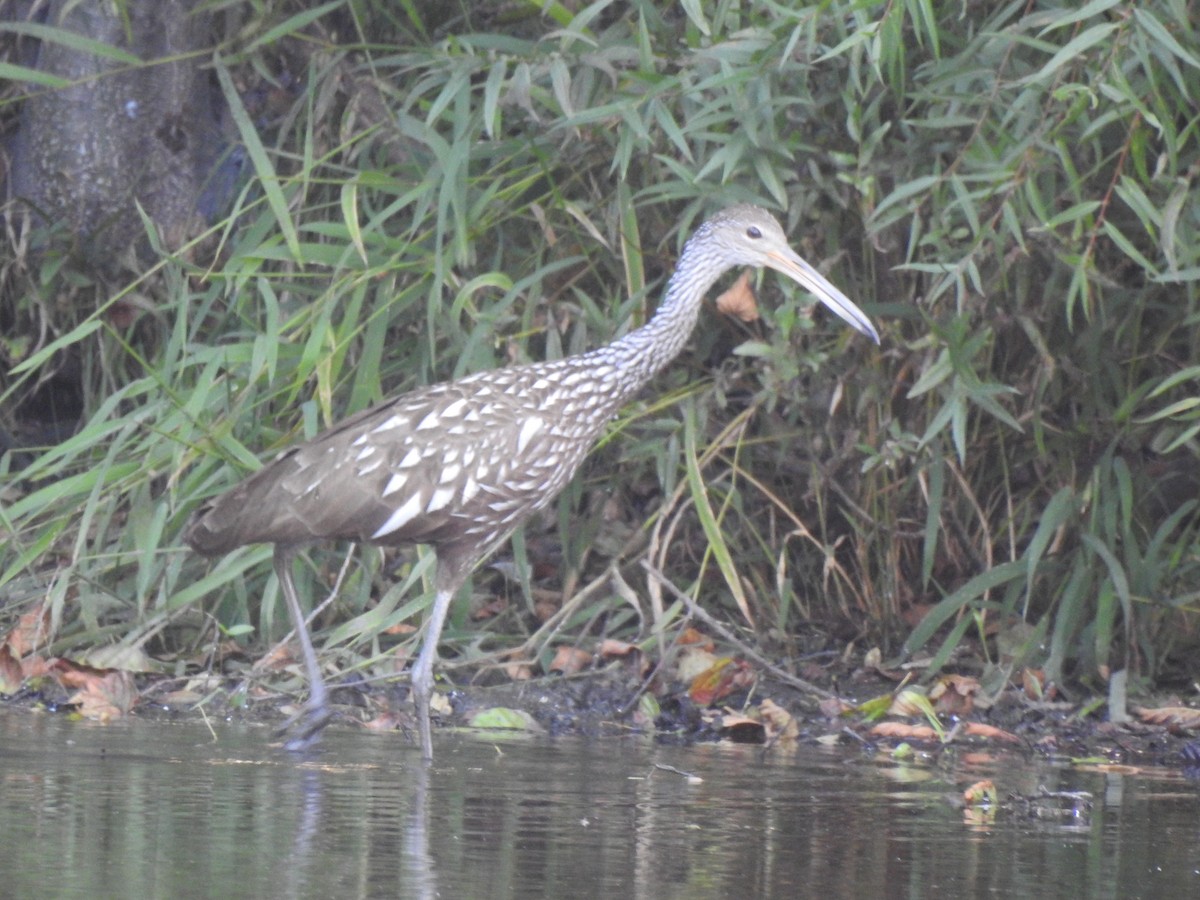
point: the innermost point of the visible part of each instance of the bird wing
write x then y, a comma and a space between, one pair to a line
466, 459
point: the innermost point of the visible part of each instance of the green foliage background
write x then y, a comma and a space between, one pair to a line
1009, 190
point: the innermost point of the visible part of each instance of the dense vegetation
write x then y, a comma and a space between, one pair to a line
1009, 190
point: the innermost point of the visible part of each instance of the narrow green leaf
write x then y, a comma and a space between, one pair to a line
1072, 51
708, 520
1059, 510
349, 194
74, 336
72, 41
695, 12
267, 176
933, 518
292, 25
11, 72
960, 599
1159, 33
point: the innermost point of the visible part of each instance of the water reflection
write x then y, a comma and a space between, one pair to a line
159, 810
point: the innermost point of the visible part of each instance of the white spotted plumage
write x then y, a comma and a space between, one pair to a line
459, 465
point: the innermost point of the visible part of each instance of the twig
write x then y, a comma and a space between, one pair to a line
728, 636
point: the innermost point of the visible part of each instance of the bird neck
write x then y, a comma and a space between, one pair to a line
640, 354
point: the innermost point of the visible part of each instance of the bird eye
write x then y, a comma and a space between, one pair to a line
753, 232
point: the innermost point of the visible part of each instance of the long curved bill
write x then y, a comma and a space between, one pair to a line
793, 266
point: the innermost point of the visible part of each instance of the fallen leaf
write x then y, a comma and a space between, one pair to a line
739, 300
107, 697
740, 729
646, 712
1112, 768
11, 674
834, 707
609, 648
518, 671
439, 704
1173, 716
72, 675
873, 662
490, 610
911, 702
979, 729
692, 661
502, 718
1032, 682
904, 731
779, 723
954, 694
385, 721
981, 793
692, 637
31, 631
875, 707
570, 660
117, 656
725, 676
37, 666
278, 657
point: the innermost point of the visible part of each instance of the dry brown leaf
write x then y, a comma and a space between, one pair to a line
739, 300
73, 676
106, 697
904, 731
1172, 716
693, 661
691, 637
908, 702
873, 661
610, 647
11, 674
518, 671
278, 657
490, 610
37, 666
725, 676
570, 660
1111, 768
1033, 682
439, 705
385, 721
834, 707
979, 729
31, 631
980, 792
780, 724
954, 694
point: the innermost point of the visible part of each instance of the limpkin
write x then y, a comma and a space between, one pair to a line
459, 465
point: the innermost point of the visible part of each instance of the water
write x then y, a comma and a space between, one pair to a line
150, 809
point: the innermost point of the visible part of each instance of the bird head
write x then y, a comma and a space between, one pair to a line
750, 236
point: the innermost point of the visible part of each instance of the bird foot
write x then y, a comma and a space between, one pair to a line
304, 729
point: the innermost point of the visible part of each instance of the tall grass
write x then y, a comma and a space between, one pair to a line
1010, 191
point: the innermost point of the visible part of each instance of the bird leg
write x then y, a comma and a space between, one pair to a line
306, 725
422, 670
